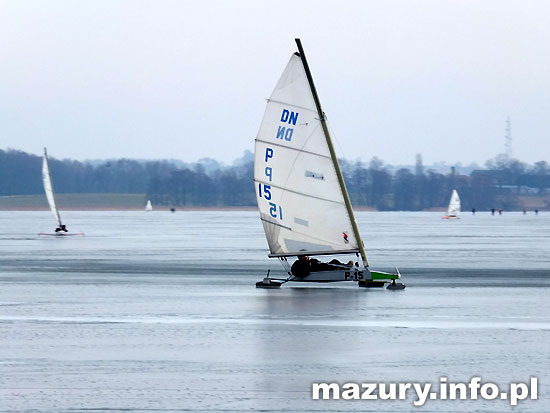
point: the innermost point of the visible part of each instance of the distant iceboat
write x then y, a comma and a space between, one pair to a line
61, 229
149, 206
302, 197
454, 206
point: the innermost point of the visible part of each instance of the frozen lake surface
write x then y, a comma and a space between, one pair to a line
158, 312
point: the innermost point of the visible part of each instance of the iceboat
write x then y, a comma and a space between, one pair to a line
302, 198
61, 230
454, 206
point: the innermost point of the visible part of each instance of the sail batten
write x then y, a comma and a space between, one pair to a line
299, 253
48, 188
267, 221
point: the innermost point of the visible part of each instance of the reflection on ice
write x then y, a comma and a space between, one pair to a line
268, 321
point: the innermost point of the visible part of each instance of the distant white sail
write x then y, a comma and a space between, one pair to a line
148, 207
454, 205
48, 188
301, 203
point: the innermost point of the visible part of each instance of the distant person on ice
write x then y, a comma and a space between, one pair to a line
62, 228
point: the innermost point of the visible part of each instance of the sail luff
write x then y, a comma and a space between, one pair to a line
48, 188
338, 171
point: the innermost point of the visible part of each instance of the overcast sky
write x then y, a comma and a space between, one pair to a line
189, 79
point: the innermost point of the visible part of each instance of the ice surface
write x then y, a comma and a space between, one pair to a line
158, 312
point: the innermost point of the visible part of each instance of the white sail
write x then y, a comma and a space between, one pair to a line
149, 207
301, 203
454, 205
48, 188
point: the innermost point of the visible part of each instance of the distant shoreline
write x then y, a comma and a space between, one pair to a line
157, 208
136, 202
121, 208
107, 202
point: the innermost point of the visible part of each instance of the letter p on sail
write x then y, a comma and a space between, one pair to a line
268, 154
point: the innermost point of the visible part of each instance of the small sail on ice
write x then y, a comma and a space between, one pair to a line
148, 207
48, 189
454, 206
302, 198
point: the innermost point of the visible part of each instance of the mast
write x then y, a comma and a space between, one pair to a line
333, 155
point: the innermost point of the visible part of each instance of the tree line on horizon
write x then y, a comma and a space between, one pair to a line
370, 185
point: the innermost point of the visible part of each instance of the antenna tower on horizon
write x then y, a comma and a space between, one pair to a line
508, 137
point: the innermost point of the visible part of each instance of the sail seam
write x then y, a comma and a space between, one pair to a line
291, 104
296, 192
294, 149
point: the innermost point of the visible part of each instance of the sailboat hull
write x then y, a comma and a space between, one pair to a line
62, 234
332, 276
